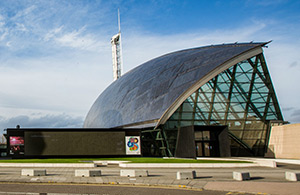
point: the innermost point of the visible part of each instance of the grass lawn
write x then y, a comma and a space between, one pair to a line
133, 160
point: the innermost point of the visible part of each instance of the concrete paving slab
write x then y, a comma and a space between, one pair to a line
181, 182
146, 180
99, 180
105, 181
166, 182
153, 181
195, 182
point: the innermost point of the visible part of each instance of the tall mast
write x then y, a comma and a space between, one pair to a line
116, 46
119, 22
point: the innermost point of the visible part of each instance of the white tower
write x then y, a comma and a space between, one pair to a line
116, 47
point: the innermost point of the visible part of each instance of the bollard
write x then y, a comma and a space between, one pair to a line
87, 173
241, 176
32, 172
292, 176
186, 174
133, 173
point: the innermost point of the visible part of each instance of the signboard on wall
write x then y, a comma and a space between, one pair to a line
16, 145
133, 145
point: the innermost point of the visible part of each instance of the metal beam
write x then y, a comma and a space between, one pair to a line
270, 86
230, 91
212, 98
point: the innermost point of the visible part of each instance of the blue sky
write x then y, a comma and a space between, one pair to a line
55, 56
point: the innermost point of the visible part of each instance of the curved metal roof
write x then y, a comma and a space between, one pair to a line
151, 92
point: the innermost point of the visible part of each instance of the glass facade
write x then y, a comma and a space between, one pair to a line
241, 98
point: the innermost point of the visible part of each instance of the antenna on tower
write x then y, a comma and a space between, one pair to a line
119, 22
116, 46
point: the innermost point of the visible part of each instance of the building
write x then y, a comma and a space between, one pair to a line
216, 100
283, 142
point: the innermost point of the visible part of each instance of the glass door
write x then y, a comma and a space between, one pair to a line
207, 148
199, 149
206, 144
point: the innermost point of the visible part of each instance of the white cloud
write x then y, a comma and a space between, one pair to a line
3, 36
21, 27
38, 120
68, 83
295, 116
53, 33
24, 12
294, 64
75, 39
8, 44
78, 39
3, 29
1, 25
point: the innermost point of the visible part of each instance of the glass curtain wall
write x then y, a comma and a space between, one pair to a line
242, 97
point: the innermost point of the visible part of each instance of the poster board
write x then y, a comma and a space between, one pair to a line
133, 145
16, 145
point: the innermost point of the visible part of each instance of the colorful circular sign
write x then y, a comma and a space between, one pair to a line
133, 144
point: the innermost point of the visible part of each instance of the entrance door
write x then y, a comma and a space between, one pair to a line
206, 143
199, 149
205, 149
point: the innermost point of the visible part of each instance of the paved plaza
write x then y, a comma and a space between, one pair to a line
264, 180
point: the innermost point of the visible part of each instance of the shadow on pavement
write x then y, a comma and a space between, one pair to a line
256, 178
288, 166
206, 177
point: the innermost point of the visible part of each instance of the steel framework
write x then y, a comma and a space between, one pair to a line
242, 98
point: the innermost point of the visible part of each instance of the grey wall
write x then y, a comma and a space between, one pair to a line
186, 143
224, 143
74, 143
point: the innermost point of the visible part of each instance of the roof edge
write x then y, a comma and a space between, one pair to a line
139, 124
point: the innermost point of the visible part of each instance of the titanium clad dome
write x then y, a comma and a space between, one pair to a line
151, 92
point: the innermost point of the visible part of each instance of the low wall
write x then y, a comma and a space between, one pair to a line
284, 142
